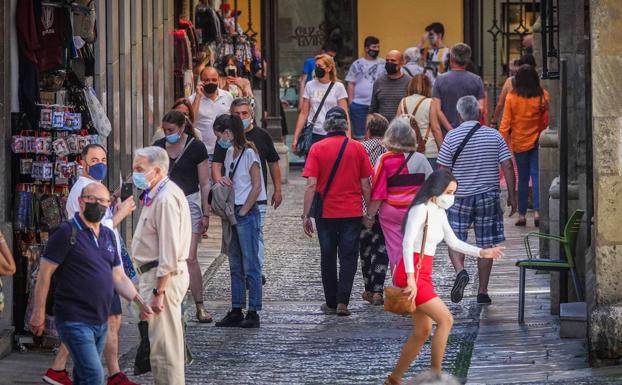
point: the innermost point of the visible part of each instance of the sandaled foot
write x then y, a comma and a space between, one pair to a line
367, 296
377, 299
391, 381
203, 316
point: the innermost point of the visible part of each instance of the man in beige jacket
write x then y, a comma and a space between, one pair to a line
160, 248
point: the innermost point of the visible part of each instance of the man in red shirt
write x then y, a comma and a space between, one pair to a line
339, 224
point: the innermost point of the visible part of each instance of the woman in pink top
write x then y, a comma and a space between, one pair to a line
398, 175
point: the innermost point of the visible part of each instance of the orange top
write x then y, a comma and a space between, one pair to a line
523, 120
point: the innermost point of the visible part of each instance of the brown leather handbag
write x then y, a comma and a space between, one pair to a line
421, 141
395, 299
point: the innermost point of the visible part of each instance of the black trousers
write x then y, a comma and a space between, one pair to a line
339, 238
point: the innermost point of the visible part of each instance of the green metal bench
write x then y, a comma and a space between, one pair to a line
568, 242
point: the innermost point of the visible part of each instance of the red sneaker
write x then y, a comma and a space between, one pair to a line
54, 377
120, 379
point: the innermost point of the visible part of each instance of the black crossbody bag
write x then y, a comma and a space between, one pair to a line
317, 205
463, 144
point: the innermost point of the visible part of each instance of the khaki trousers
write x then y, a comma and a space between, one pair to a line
166, 335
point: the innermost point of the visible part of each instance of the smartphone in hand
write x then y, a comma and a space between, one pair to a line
127, 190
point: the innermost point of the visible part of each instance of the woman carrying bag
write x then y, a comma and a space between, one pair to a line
426, 223
319, 95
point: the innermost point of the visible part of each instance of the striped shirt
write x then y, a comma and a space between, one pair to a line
387, 94
399, 190
477, 167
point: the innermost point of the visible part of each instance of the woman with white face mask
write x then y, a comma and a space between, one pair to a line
435, 196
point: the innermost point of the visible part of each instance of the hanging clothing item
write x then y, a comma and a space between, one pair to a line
44, 33
183, 60
192, 35
210, 23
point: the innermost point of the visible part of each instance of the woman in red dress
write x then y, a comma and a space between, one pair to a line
433, 198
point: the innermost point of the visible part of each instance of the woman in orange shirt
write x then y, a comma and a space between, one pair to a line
525, 116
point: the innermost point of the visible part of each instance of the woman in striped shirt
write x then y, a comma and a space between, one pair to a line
398, 175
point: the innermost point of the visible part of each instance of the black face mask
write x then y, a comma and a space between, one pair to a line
210, 88
373, 53
94, 212
319, 72
391, 68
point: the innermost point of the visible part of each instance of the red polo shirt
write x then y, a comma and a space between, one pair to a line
344, 197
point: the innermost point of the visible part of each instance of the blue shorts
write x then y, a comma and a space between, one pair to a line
484, 212
115, 307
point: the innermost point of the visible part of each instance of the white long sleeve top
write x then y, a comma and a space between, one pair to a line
438, 230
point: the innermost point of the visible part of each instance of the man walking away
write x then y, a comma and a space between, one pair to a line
390, 88
160, 247
341, 219
451, 86
361, 77
473, 153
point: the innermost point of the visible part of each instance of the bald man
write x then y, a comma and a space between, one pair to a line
390, 88
87, 254
208, 103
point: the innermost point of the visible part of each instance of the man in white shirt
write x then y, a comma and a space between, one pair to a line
361, 77
94, 169
208, 103
434, 57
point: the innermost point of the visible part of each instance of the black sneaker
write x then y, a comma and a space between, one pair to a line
457, 292
251, 321
483, 299
233, 319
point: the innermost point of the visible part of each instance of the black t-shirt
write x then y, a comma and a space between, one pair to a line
185, 172
265, 147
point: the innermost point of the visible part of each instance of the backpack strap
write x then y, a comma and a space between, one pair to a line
74, 234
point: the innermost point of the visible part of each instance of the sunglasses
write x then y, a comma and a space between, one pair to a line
231, 170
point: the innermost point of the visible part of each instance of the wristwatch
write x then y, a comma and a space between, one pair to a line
157, 292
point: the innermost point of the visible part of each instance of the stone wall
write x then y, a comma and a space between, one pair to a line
605, 295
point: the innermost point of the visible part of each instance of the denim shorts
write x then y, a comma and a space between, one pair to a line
484, 212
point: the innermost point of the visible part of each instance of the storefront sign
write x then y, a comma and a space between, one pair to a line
309, 36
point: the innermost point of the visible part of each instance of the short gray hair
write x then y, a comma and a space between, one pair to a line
156, 156
335, 124
461, 54
412, 55
400, 136
238, 102
468, 108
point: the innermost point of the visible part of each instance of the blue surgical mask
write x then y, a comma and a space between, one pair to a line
140, 180
173, 138
98, 171
247, 122
224, 143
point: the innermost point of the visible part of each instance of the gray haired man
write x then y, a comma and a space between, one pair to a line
473, 153
452, 85
160, 247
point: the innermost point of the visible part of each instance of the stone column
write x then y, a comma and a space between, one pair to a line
605, 295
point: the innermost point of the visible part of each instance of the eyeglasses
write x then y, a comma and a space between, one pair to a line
231, 170
92, 198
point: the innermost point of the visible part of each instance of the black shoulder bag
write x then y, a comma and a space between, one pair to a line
464, 143
306, 136
317, 205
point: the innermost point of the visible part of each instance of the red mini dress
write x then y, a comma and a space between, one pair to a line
425, 287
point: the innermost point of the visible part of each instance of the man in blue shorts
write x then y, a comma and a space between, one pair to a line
473, 153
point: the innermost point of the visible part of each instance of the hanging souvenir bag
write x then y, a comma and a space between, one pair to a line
98, 115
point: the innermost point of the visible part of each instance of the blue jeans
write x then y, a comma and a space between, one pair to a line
244, 261
358, 117
262, 220
527, 164
86, 344
339, 238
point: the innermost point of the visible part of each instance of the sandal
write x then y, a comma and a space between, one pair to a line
203, 316
367, 296
536, 222
377, 299
521, 223
391, 381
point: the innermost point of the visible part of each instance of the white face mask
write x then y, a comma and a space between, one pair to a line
445, 201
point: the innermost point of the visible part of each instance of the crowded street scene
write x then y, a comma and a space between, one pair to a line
338, 192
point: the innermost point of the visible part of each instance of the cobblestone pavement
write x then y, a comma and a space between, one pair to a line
296, 343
